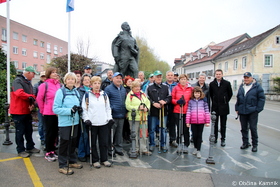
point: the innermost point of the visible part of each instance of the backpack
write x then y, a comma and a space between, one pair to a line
87, 98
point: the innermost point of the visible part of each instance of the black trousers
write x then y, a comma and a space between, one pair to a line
102, 133
186, 132
249, 121
67, 146
197, 130
51, 123
223, 122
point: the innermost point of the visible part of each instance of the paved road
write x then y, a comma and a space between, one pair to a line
233, 167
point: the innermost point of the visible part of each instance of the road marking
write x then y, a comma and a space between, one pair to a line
32, 173
252, 157
202, 170
8, 159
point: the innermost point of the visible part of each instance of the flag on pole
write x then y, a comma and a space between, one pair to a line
69, 5
2, 1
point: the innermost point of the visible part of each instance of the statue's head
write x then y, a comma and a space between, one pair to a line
125, 26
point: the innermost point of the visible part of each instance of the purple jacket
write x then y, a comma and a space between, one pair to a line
198, 112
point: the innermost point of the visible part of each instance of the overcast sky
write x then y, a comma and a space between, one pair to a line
171, 28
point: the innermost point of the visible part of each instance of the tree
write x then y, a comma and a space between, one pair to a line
148, 61
78, 62
277, 83
3, 82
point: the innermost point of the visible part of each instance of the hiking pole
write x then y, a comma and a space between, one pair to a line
159, 137
83, 135
112, 143
182, 129
70, 143
90, 147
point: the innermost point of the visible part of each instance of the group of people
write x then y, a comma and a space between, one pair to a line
95, 116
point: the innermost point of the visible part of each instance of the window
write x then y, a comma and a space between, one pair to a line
244, 62
4, 48
48, 59
35, 66
24, 52
226, 66
60, 50
42, 56
55, 49
277, 39
15, 50
42, 44
15, 63
48, 47
24, 38
220, 66
4, 34
235, 64
15, 35
24, 65
35, 54
268, 60
35, 42
234, 84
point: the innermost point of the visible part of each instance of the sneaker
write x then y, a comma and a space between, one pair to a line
148, 153
185, 149
152, 148
50, 157
164, 149
34, 150
198, 155
194, 152
107, 164
55, 155
174, 144
23, 154
64, 171
96, 165
42, 142
76, 165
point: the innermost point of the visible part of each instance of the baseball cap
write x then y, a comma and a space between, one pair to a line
157, 72
43, 73
176, 74
117, 74
247, 74
87, 67
151, 75
31, 69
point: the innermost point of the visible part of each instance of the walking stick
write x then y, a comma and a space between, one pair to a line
112, 141
181, 129
161, 122
70, 143
90, 147
159, 137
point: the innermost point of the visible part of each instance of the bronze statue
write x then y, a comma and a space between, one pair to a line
125, 52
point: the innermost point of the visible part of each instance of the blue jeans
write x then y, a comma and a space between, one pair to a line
41, 126
23, 125
83, 148
163, 132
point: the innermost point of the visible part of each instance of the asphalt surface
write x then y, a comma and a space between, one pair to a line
233, 167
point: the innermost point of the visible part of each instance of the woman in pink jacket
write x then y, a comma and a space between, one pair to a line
45, 99
197, 115
181, 94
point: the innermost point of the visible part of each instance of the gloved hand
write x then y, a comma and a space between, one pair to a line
74, 110
111, 123
88, 123
80, 109
181, 102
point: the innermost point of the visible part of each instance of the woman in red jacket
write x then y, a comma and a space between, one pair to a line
181, 95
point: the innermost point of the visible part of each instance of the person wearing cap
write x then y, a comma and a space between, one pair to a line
22, 103
176, 77
151, 79
88, 70
170, 118
220, 93
41, 125
250, 102
108, 80
117, 94
159, 95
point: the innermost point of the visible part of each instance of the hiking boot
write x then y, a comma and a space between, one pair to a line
50, 157
174, 144
194, 152
76, 165
223, 143
96, 165
185, 149
152, 148
64, 171
198, 155
34, 150
23, 154
107, 164
148, 153
82, 159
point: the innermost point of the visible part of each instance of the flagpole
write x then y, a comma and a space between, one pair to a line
69, 41
8, 52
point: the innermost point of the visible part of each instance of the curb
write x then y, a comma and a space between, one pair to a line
3, 131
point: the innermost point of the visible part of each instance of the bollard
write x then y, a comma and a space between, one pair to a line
133, 153
210, 159
7, 125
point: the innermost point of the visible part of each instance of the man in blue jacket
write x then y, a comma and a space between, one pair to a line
117, 94
250, 102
